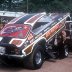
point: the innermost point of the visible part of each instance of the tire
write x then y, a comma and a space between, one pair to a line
63, 52
66, 52
36, 59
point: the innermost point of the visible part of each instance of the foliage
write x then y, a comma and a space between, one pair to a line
37, 5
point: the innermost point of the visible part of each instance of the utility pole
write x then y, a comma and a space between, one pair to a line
9, 4
27, 6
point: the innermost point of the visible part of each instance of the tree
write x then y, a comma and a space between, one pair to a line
37, 5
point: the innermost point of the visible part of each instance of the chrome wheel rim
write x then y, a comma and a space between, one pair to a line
38, 57
66, 52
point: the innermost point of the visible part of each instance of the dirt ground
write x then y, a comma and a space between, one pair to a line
63, 65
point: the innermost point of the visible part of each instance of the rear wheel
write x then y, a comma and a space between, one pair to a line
63, 52
66, 51
62, 46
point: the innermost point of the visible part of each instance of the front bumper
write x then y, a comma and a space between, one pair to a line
12, 59
12, 56
10, 51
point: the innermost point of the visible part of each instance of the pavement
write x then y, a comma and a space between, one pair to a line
58, 65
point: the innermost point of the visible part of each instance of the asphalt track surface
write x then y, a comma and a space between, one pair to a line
63, 65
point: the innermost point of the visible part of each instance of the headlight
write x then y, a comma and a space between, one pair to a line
17, 42
2, 50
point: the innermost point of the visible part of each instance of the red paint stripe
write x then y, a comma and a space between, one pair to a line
32, 20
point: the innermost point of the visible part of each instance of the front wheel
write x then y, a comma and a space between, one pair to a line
36, 59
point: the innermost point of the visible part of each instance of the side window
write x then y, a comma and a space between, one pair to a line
42, 23
39, 26
36, 26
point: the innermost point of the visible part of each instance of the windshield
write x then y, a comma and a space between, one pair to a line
17, 31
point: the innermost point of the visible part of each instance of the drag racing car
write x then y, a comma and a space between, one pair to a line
32, 37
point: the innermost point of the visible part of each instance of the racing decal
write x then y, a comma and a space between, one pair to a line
28, 50
21, 20
40, 34
16, 19
33, 19
47, 35
32, 40
54, 29
57, 17
8, 29
30, 36
18, 31
17, 42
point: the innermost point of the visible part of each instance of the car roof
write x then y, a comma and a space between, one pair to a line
31, 19
27, 19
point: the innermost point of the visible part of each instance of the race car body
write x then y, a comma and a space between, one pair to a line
30, 34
